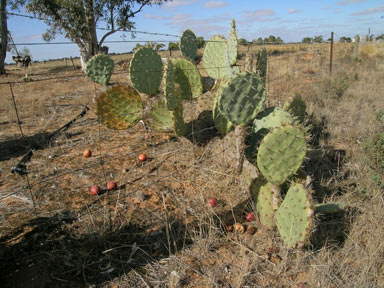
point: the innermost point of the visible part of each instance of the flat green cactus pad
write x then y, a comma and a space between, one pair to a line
232, 45
295, 217
179, 126
281, 153
270, 118
99, 69
145, 71
188, 45
161, 118
242, 98
261, 64
188, 84
262, 195
221, 123
119, 107
215, 58
169, 86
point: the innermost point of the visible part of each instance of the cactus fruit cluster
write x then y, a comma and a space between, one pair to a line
99, 69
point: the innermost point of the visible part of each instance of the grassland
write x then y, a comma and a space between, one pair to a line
156, 229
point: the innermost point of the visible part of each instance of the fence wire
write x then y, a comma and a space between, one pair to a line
138, 172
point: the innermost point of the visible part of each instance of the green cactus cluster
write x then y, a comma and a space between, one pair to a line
273, 139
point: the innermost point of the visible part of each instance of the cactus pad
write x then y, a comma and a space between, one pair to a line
146, 71
221, 123
119, 107
161, 118
261, 65
188, 45
179, 126
169, 86
295, 217
262, 195
188, 84
215, 58
270, 118
242, 98
281, 153
99, 69
232, 45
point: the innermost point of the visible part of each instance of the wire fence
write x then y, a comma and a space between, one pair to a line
36, 173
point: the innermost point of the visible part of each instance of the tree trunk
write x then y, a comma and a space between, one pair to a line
4, 35
86, 53
90, 45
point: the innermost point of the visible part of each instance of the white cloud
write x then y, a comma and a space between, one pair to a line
178, 3
343, 3
205, 27
294, 11
262, 15
215, 4
154, 17
369, 11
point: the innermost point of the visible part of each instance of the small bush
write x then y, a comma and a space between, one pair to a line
336, 87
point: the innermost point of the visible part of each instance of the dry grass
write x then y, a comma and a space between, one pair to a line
156, 230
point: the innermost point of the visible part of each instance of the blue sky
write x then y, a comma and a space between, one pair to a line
291, 20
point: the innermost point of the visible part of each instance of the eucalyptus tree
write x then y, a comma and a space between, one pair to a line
78, 20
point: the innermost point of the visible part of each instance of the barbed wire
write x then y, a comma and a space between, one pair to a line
137, 169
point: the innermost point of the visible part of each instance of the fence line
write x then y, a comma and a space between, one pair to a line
137, 169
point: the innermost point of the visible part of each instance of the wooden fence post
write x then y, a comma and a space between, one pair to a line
331, 55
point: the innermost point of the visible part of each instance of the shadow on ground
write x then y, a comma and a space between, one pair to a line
57, 252
19, 146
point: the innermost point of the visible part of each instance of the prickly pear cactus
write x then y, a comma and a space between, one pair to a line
221, 123
295, 217
188, 45
232, 45
215, 58
330, 208
270, 118
188, 84
261, 65
242, 98
169, 86
262, 195
99, 69
119, 107
281, 153
179, 126
146, 71
161, 118
296, 107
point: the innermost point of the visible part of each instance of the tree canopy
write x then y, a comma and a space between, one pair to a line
79, 19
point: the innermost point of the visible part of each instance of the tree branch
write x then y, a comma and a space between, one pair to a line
120, 29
